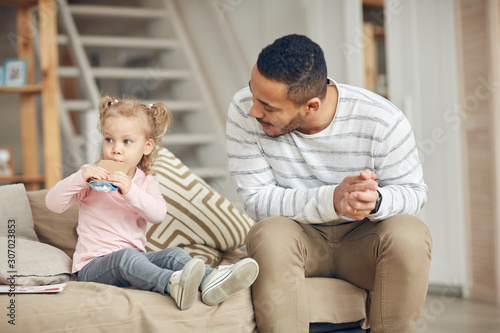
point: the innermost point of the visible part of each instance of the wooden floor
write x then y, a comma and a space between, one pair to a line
447, 313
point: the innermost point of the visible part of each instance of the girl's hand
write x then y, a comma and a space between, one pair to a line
120, 180
93, 171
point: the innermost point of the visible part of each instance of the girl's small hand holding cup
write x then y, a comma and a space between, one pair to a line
93, 172
116, 175
120, 180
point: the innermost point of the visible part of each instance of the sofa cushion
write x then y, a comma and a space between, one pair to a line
199, 219
52, 228
15, 212
95, 307
34, 263
336, 301
90, 307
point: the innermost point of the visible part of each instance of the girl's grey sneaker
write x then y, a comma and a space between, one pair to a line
225, 281
183, 285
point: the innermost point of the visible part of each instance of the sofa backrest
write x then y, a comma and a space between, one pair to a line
55, 229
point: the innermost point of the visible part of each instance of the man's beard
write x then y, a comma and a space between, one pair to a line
292, 125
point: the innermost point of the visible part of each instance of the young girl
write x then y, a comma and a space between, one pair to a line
112, 225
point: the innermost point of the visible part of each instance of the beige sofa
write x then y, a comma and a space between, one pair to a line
199, 220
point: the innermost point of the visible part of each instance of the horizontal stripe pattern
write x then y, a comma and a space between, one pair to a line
294, 175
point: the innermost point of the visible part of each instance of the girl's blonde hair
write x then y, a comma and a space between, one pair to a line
157, 121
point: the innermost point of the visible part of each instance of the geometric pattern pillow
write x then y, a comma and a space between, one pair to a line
199, 219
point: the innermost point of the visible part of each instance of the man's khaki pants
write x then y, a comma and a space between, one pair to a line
391, 258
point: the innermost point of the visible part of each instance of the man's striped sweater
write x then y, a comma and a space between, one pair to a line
295, 175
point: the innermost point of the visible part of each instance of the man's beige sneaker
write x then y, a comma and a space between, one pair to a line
227, 280
183, 285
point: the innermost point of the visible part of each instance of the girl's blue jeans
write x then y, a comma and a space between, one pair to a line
132, 268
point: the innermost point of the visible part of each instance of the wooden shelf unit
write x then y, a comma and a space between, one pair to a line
374, 34
48, 89
29, 88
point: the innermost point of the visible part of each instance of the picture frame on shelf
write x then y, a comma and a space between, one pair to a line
6, 162
14, 72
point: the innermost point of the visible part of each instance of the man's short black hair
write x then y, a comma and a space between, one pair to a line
298, 62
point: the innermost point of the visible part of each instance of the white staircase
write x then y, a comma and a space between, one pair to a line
138, 48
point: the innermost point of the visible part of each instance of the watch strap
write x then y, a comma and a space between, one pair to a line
377, 203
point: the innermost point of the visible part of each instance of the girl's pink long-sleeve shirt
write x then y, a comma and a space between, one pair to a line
109, 221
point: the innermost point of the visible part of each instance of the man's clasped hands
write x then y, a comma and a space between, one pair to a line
356, 196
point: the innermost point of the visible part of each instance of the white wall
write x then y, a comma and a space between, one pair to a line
253, 24
423, 82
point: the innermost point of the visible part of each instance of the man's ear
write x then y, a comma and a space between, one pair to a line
150, 144
313, 105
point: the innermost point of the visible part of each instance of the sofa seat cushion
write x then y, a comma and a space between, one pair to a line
336, 301
92, 307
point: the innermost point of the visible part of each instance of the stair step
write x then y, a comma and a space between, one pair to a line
188, 139
117, 11
123, 42
78, 105
210, 173
127, 73
172, 105
177, 105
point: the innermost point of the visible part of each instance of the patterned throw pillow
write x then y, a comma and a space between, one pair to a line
199, 219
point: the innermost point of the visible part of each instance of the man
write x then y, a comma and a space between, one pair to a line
332, 174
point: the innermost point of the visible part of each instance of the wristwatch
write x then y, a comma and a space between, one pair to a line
377, 203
